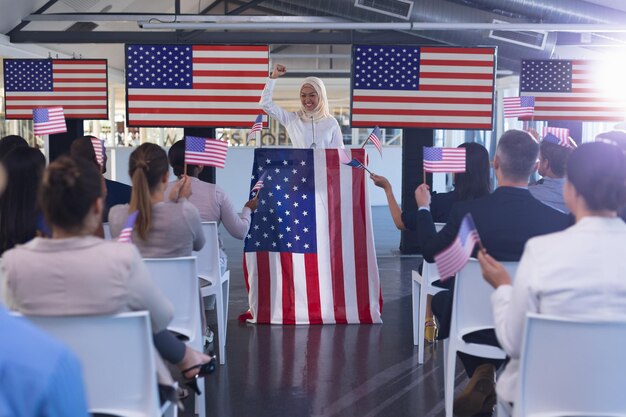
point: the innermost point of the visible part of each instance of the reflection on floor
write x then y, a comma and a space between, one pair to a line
343, 370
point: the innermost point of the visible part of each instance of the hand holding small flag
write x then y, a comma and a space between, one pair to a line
354, 163
493, 271
259, 184
452, 259
127, 231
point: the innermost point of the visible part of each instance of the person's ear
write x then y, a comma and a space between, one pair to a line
496, 162
166, 176
98, 206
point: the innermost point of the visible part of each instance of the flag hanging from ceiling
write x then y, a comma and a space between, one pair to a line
49, 121
205, 151
444, 159
519, 106
309, 255
77, 85
431, 87
570, 90
452, 259
194, 85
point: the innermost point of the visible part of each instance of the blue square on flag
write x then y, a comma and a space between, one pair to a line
194, 144
546, 76
527, 101
40, 116
386, 68
159, 66
28, 75
285, 219
433, 154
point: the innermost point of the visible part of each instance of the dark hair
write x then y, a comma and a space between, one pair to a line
69, 188
8, 143
83, 148
18, 203
615, 137
176, 156
598, 173
557, 156
474, 182
517, 154
146, 167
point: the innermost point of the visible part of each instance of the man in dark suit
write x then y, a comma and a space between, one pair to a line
505, 220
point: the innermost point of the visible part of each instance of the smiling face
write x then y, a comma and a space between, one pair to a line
309, 97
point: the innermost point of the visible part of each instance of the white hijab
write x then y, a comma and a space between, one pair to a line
321, 111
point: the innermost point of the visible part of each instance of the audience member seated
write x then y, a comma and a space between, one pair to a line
163, 229
40, 376
577, 273
211, 200
505, 220
75, 273
8, 143
20, 220
552, 158
473, 183
117, 192
617, 138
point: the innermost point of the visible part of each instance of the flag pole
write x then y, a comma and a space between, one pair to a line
46, 148
365, 143
424, 175
185, 169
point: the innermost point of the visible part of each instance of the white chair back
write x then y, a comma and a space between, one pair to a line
107, 231
571, 368
209, 256
117, 358
178, 280
471, 311
439, 226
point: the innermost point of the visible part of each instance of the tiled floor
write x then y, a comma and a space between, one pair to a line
331, 370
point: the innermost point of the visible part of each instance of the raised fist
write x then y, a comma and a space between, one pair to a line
279, 71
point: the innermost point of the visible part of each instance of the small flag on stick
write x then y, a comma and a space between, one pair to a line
98, 148
444, 159
519, 106
561, 133
48, 121
354, 163
259, 184
256, 127
205, 151
375, 138
452, 259
127, 231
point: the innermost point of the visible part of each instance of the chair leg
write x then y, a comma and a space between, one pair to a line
201, 399
226, 297
221, 333
450, 368
414, 301
422, 321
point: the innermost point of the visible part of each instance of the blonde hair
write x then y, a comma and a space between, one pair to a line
323, 109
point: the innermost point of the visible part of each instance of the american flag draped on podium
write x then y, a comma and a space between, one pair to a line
309, 256
77, 85
194, 85
431, 87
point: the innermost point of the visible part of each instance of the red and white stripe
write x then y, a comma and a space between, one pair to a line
214, 154
79, 86
455, 92
453, 259
98, 149
588, 100
125, 235
560, 132
453, 160
339, 283
513, 108
227, 86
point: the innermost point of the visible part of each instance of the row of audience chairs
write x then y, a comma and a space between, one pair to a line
120, 377
588, 383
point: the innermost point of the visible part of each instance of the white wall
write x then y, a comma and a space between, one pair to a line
235, 177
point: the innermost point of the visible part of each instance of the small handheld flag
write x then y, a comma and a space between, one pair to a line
354, 163
561, 133
259, 184
375, 138
519, 106
444, 159
452, 259
204, 151
49, 121
127, 231
257, 126
98, 148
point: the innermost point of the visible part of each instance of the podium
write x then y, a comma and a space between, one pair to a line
309, 257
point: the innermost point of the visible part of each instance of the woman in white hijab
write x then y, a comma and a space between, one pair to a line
310, 127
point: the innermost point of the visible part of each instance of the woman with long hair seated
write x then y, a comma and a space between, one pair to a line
76, 273
577, 273
20, 220
163, 229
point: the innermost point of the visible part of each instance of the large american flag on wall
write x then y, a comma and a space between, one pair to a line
194, 85
309, 256
77, 85
571, 90
432, 87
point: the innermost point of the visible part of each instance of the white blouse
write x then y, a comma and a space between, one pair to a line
577, 273
325, 133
